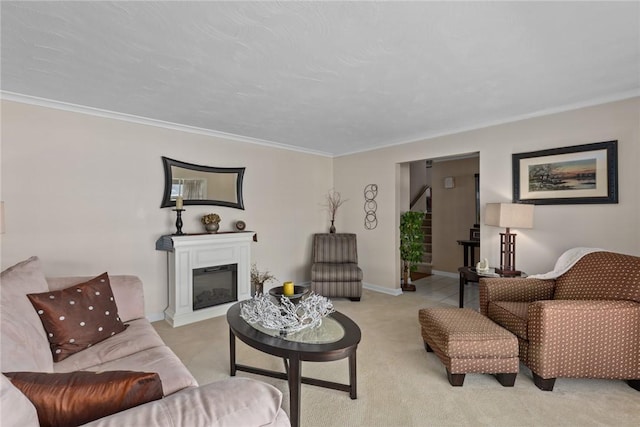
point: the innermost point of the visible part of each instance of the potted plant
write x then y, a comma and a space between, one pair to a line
258, 279
211, 222
411, 245
334, 201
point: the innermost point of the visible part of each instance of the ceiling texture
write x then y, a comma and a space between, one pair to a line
330, 78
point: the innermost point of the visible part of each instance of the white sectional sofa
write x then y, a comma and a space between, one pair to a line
25, 348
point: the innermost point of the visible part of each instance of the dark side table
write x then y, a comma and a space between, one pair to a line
469, 251
470, 274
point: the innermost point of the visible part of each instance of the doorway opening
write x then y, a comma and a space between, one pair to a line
447, 190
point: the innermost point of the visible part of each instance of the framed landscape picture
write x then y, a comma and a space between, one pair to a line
570, 175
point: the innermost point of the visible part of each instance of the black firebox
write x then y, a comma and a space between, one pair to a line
215, 285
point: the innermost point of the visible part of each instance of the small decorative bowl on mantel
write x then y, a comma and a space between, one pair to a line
211, 222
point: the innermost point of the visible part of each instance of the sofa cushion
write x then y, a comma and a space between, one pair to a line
340, 247
139, 336
76, 398
78, 317
15, 408
601, 275
510, 315
174, 375
24, 342
326, 272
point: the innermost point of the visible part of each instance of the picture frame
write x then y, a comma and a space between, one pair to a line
579, 174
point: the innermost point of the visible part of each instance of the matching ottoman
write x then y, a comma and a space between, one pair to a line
468, 342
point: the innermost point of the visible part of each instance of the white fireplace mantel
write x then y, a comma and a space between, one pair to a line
191, 251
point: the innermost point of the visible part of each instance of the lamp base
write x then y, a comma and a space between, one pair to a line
508, 273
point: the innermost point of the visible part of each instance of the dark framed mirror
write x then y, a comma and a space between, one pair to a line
201, 185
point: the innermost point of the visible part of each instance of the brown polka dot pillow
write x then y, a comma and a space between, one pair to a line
78, 317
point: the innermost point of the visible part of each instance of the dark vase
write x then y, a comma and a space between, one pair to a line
332, 229
258, 288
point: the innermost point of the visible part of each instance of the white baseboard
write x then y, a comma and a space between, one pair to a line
154, 317
382, 290
446, 274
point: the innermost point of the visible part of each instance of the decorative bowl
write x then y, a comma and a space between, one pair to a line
298, 293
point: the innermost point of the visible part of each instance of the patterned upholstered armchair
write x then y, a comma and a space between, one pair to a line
583, 324
334, 268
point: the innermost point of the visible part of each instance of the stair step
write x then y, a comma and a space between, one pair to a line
424, 267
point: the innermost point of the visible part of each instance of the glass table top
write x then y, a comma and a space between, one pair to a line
329, 331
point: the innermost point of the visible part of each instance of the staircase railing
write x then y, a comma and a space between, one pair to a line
424, 194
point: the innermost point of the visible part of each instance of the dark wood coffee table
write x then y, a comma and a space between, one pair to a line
343, 345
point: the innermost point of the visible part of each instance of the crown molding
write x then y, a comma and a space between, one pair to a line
98, 112
65, 106
621, 96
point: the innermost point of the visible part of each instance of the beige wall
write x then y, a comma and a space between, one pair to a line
83, 193
454, 211
557, 227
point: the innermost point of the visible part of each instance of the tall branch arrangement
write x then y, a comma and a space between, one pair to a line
258, 276
286, 316
333, 202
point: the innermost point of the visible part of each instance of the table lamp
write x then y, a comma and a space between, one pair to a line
508, 215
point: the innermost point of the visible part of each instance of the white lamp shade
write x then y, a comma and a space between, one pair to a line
1, 217
509, 215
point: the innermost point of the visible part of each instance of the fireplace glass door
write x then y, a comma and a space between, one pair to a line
215, 285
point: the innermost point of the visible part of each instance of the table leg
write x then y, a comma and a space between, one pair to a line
353, 393
232, 353
462, 283
295, 381
466, 256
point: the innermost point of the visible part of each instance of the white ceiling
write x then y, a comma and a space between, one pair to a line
324, 77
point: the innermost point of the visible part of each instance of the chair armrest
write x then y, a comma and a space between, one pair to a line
571, 337
563, 314
514, 289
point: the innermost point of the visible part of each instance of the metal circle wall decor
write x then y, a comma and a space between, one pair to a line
370, 206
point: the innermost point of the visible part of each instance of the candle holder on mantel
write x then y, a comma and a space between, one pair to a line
178, 222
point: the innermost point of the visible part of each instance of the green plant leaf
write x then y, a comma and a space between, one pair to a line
411, 238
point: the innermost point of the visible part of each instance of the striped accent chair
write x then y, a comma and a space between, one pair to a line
583, 324
334, 268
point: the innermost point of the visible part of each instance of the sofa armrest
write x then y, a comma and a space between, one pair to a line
568, 338
232, 402
128, 292
514, 289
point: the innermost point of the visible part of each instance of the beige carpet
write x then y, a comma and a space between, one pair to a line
400, 384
